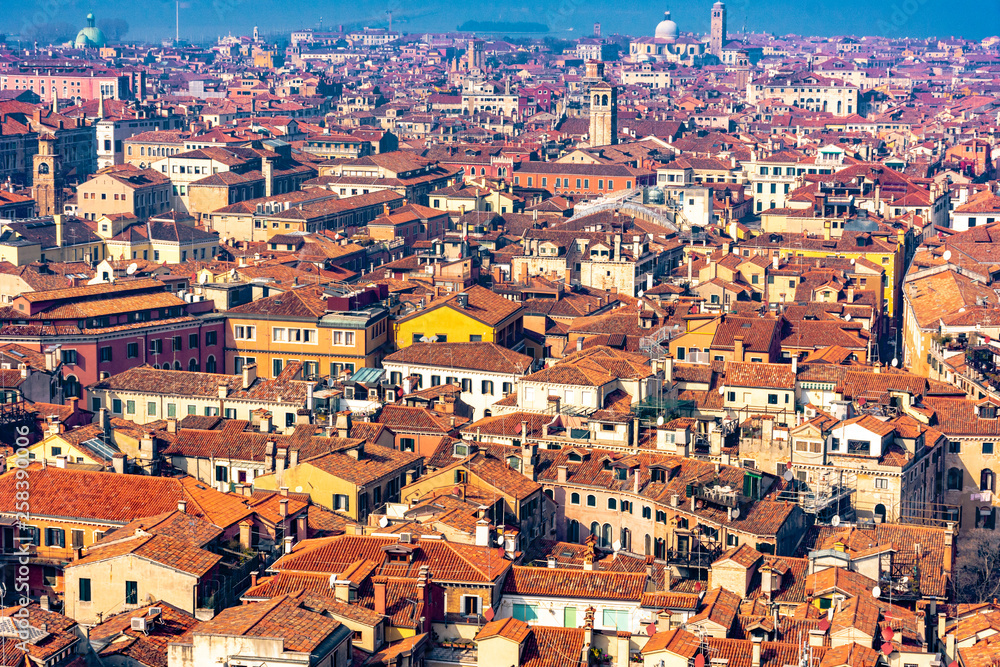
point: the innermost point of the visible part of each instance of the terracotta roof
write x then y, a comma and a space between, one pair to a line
488, 357
560, 582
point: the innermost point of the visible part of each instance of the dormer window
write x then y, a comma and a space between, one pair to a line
574, 457
658, 475
987, 412
514, 462
460, 450
621, 473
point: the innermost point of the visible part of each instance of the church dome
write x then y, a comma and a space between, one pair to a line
666, 29
90, 37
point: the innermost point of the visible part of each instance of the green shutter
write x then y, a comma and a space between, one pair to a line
569, 617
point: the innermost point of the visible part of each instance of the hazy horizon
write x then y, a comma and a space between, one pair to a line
206, 19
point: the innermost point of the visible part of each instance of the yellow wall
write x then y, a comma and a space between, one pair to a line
43, 450
321, 486
366, 351
445, 320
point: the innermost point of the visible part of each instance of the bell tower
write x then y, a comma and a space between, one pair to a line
47, 185
718, 38
603, 114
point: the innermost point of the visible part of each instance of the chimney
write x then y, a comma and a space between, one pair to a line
378, 584
561, 473
223, 389
269, 455
25, 371
118, 462
624, 641
267, 168
755, 656
58, 220
795, 365
283, 508
249, 375
105, 422
288, 545
61, 461
343, 425
482, 533
738, 348
850, 295
182, 506
265, 423
43, 602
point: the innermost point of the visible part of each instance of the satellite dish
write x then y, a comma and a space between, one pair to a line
886, 648
876, 592
835, 521
333, 579
617, 546
722, 391
787, 476
736, 512
202, 279
887, 634
651, 629
132, 268
489, 614
895, 362
847, 317
659, 420
852, 262
640, 294
946, 256
384, 521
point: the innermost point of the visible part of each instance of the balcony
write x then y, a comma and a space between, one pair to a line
724, 496
701, 556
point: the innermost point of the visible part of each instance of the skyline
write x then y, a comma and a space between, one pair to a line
202, 20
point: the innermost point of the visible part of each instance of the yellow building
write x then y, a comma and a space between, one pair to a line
161, 240
327, 331
886, 249
354, 481
477, 314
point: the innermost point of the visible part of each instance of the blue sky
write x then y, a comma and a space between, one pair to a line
154, 19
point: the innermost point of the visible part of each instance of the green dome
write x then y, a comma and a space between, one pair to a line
90, 37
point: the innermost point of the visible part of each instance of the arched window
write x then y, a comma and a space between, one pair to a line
156, 366
550, 494
573, 531
612, 504
71, 387
626, 539
604, 100
142, 150
661, 548
210, 364
987, 480
606, 536
595, 530
647, 546
177, 365
954, 478
43, 168
597, 100
591, 501
193, 365
880, 513
574, 498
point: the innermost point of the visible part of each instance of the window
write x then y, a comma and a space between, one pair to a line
341, 502
49, 575
131, 592
156, 346
407, 444
647, 513
772, 399
525, 612
475, 338
177, 344
858, 447
211, 338
106, 353
615, 618
954, 446
151, 408
69, 357
221, 474
612, 504
130, 407
276, 367
244, 332
487, 387
471, 604
116, 406
591, 501
569, 617
881, 482
132, 350
987, 448
987, 480
574, 499
55, 537
84, 590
